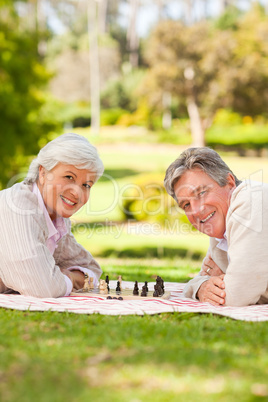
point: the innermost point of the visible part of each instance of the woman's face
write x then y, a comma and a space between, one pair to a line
65, 189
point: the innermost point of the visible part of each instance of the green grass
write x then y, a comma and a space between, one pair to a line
56, 357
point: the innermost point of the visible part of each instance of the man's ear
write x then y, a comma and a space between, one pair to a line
42, 172
231, 181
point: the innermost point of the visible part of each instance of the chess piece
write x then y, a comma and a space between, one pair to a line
91, 283
136, 289
156, 293
161, 283
118, 288
86, 284
120, 280
146, 286
160, 286
143, 291
103, 287
107, 281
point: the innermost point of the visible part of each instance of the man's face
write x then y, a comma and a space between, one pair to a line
204, 201
65, 189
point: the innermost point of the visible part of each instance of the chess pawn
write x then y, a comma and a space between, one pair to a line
120, 280
155, 294
118, 287
146, 286
91, 283
136, 289
144, 291
86, 284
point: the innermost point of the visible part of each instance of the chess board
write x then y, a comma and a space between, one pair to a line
126, 294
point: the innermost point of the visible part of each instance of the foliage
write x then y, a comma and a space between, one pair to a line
228, 68
238, 137
110, 117
123, 92
147, 200
23, 77
115, 96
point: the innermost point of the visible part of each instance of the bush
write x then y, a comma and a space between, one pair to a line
147, 200
239, 137
109, 117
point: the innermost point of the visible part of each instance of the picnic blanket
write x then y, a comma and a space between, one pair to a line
99, 305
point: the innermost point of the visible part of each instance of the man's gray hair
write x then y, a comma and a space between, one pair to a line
198, 158
70, 149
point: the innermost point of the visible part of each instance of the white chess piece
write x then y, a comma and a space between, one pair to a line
91, 284
103, 287
86, 284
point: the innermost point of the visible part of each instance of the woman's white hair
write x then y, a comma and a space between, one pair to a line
71, 149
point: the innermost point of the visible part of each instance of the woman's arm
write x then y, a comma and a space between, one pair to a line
71, 255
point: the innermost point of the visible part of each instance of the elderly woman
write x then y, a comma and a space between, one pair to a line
39, 255
234, 215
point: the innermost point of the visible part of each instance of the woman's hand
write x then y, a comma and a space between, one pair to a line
77, 277
209, 267
212, 291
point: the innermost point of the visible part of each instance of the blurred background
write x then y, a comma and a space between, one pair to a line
142, 80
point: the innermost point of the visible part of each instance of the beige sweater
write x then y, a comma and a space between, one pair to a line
26, 264
246, 272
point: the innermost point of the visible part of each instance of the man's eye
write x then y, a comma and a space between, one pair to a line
87, 186
202, 193
186, 206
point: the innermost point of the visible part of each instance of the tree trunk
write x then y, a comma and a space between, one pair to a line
224, 4
103, 15
188, 11
132, 35
94, 65
160, 9
198, 134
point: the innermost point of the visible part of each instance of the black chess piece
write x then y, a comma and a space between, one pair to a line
155, 294
136, 289
107, 281
118, 288
159, 284
143, 291
146, 286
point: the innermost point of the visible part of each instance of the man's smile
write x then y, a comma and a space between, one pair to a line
208, 217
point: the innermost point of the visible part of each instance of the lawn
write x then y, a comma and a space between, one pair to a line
56, 357
62, 357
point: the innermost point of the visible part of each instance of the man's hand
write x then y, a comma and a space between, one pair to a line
209, 267
212, 291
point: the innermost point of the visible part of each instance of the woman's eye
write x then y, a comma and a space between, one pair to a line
69, 177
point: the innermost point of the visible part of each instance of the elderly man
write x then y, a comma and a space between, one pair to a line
234, 215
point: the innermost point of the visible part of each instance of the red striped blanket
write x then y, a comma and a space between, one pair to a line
99, 305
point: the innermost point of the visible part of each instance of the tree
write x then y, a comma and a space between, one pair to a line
132, 34
206, 67
21, 98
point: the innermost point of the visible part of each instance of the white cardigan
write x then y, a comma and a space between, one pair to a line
246, 273
26, 264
